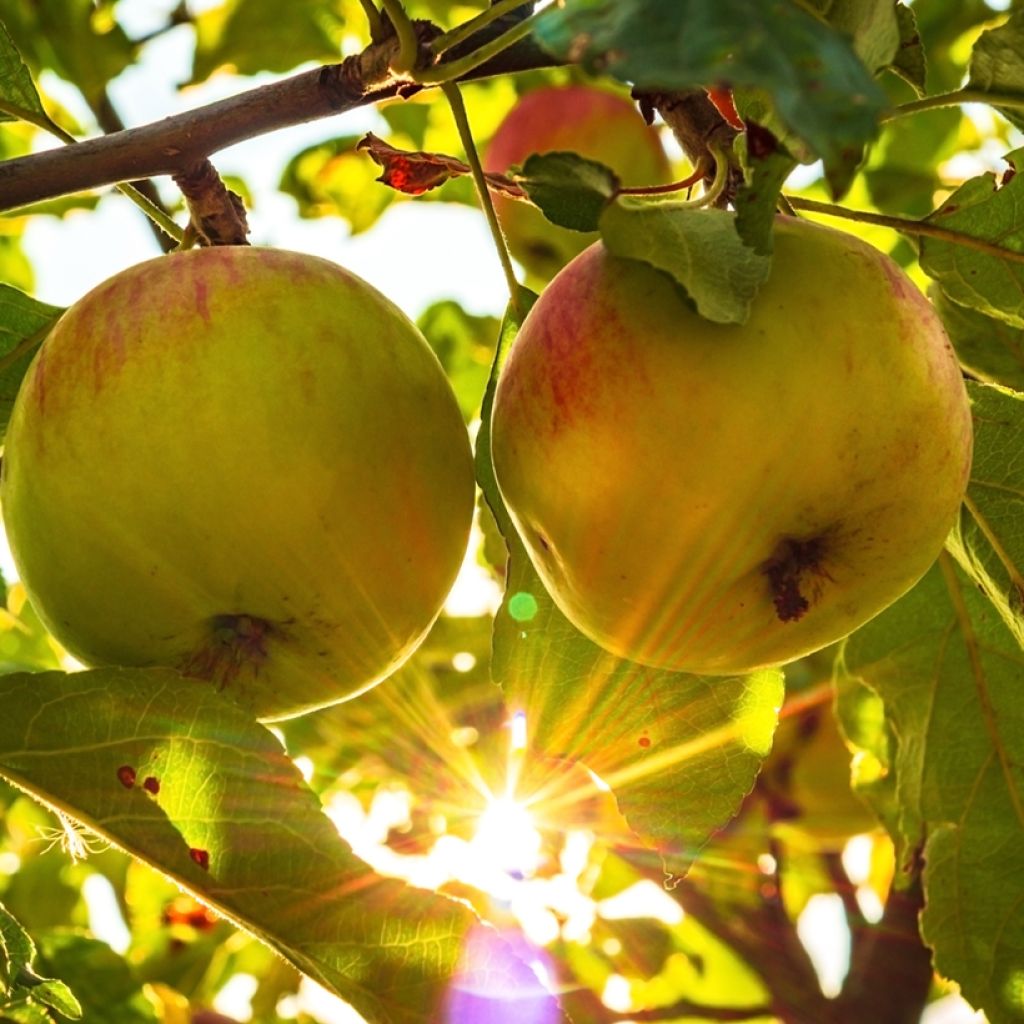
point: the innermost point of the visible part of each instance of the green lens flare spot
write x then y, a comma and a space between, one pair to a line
522, 606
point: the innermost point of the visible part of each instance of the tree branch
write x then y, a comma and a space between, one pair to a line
891, 969
177, 144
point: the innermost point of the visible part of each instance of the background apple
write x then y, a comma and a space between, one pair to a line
596, 124
714, 498
244, 463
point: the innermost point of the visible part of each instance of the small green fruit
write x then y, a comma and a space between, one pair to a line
717, 498
243, 463
593, 123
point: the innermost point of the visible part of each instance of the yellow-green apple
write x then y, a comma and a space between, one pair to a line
717, 498
244, 463
591, 122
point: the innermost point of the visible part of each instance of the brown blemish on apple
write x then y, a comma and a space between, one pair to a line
791, 573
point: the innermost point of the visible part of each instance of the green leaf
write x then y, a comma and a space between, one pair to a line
910, 62
949, 673
644, 732
18, 96
465, 345
822, 91
25, 1013
107, 987
871, 25
699, 248
55, 994
571, 191
989, 279
249, 36
996, 64
234, 824
991, 349
988, 540
24, 322
18, 976
16, 947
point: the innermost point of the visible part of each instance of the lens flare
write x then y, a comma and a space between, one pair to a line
500, 980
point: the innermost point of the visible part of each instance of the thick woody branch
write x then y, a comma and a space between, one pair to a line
180, 143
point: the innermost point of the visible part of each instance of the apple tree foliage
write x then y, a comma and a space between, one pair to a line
735, 798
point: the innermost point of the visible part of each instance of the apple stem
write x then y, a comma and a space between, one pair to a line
408, 44
700, 170
469, 28
454, 97
374, 19
452, 70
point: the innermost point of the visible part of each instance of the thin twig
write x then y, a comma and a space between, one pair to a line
408, 45
907, 226
374, 19
954, 99
462, 32
454, 97
463, 65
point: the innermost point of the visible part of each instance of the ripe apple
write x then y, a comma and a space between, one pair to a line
594, 123
243, 463
717, 498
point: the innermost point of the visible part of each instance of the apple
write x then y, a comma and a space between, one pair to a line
718, 498
244, 463
592, 122
807, 782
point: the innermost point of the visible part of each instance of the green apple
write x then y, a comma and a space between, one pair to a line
717, 498
591, 122
243, 463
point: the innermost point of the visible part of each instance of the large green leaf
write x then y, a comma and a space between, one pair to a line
679, 752
700, 249
228, 817
820, 88
871, 25
985, 269
949, 673
991, 349
988, 541
24, 322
